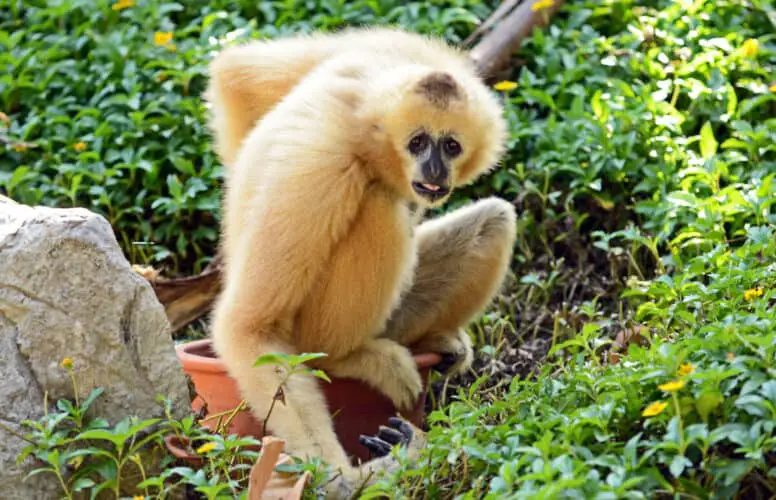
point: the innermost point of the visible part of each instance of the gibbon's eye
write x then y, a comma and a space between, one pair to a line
418, 144
452, 147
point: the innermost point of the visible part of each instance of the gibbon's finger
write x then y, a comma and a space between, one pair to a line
402, 427
377, 446
448, 360
389, 435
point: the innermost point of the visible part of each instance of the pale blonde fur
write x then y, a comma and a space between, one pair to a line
320, 241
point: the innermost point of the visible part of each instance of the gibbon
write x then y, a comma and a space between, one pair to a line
334, 146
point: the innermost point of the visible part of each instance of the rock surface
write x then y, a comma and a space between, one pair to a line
66, 290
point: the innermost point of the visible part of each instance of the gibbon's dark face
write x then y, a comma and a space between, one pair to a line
433, 155
436, 133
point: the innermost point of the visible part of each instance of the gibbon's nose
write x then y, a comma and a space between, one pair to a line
434, 170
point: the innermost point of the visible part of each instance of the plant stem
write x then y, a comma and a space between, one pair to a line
679, 418
272, 406
242, 406
16, 434
139, 464
62, 482
75, 389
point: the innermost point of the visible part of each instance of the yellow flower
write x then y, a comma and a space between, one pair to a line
123, 4
772, 88
505, 86
753, 293
541, 5
138, 497
162, 37
79, 146
671, 386
654, 409
685, 369
19, 147
67, 363
206, 448
171, 47
749, 48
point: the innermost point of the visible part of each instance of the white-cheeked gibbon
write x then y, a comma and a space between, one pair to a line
334, 145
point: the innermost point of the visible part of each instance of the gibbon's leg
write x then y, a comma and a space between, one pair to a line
302, 417
463, 258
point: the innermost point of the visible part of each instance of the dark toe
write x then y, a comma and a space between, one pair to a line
448, 360
377, 446
389, 435
403, 427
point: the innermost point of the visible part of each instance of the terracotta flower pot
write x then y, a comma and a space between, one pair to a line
357, 408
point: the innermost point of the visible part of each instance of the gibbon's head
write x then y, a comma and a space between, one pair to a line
435, 130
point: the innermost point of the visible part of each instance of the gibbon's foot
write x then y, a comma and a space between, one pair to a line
412, 440
400, 433
455, 348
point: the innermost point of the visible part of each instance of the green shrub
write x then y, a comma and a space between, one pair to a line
579, 429
643, 132
655, 113
87, 454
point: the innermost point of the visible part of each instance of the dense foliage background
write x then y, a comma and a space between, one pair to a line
642, 161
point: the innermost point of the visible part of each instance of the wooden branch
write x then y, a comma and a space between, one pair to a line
513, 24
189, 298
502, 10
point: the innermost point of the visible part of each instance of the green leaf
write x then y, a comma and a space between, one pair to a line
731, 471
707, 402
82, 483
102, 434
271, 359
538, 96
678, 464
92, 396
298, 359
321, 374
708, 142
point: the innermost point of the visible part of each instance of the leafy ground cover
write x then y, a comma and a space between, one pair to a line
641, 159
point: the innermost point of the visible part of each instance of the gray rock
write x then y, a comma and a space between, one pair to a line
66, 290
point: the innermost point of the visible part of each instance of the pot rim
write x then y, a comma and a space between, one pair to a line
187, 354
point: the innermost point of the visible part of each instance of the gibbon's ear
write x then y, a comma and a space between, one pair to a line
439, 88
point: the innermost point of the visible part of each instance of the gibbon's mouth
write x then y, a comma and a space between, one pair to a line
430, 190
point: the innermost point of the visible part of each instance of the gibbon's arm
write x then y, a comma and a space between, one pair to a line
247, 81
310, 192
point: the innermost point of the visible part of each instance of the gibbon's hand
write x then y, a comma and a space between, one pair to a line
401, 434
